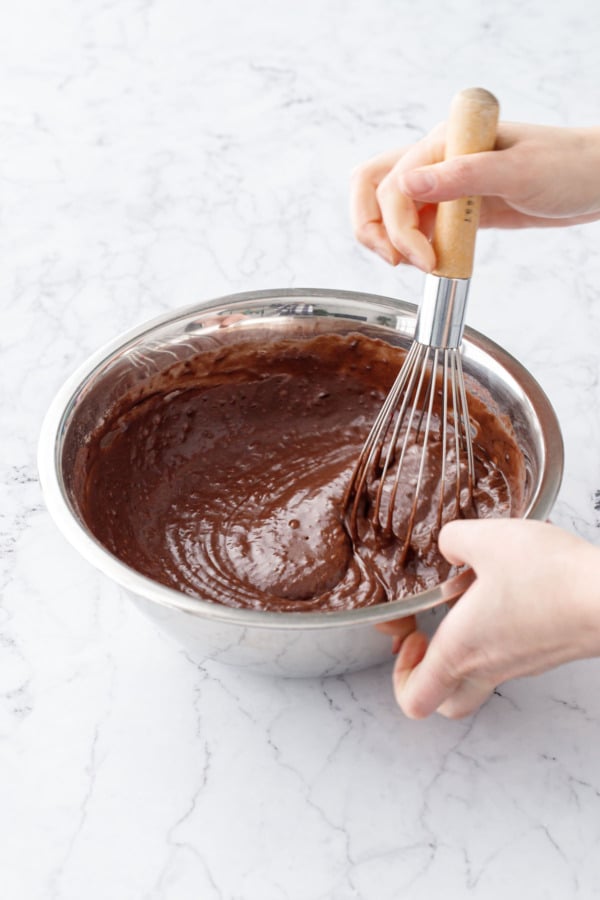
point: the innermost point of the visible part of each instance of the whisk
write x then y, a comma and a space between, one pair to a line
425, 414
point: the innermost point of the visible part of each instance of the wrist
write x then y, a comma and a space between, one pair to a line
585, 592
589, 159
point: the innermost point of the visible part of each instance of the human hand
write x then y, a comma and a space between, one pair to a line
537, 176
535, 604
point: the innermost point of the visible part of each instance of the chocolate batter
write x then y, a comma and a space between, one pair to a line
224, 478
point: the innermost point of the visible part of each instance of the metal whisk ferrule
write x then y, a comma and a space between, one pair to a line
441, 318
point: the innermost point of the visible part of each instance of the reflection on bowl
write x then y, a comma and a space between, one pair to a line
284, 643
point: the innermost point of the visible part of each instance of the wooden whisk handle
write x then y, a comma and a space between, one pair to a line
471, 128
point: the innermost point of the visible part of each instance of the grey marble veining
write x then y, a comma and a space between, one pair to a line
156, 153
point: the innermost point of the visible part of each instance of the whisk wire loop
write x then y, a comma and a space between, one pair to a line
370, 456
412, 391
445, 376
428, 405
464, 430
424, 418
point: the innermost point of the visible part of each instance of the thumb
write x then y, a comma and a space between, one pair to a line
482, 544
476, 174
468, 541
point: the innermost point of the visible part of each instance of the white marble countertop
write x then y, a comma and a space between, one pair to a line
154, 153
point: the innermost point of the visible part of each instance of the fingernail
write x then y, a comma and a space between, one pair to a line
384, 253
415, 259
419, 181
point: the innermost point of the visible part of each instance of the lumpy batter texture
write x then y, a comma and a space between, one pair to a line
225, 478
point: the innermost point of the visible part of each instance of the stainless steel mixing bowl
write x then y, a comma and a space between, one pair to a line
285, 644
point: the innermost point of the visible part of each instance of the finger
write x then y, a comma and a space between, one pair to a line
410, 654
485, 544
427, 220
451, 543
488, 174
473, 542
397, 644
426, 152
399, 630
365, 213
470, 694
367, 223
398, 627
422, 678
378, 166
403, 227
409, 226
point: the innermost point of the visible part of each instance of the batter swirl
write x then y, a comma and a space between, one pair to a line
226, 479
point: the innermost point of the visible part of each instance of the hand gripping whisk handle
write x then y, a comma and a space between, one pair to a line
471, 128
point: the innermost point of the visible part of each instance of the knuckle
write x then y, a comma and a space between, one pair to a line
454, 709
449, 663
397, 239
363, 233
412, 708
361, 173
382, 190
460, 174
